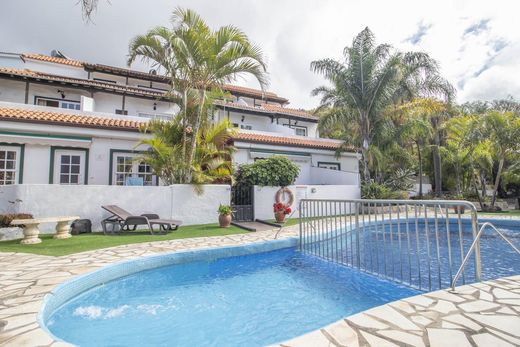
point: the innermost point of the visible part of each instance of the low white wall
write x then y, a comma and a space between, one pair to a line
176, 201
333, 177
264, 197
426, 188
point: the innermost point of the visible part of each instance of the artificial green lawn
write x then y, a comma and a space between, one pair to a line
88, 242
515, 213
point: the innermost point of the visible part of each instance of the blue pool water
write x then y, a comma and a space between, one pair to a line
410, 252
248, 300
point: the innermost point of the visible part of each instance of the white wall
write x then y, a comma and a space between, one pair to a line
36, 163
264, 197
320, 175
177, 201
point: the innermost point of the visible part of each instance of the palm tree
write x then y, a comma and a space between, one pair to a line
198, 60
369, 80
502, 129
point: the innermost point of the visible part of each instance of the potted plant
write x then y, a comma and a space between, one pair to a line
225, 212
280, 211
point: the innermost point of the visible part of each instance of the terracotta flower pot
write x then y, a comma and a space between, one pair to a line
224, 220
279, 217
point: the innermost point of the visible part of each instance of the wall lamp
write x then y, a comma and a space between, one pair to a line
243, 117
62, 93
154, 106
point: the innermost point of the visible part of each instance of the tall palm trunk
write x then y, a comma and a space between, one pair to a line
497, 181
437, 169
419, 157
184, 177
196, 127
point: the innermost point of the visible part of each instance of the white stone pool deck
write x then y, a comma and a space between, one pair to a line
484, 314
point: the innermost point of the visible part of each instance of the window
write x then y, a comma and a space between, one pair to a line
69, 166
330, 166
49, 102
246, 127
161, 116
9, 165
127, 170
235, 125
105, 81
123, 112
298, 130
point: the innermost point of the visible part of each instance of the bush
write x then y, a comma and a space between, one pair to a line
374, 190
5, 219
276, 171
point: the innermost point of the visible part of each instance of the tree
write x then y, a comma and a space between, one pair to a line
369, 80
502, 129
198, 61
212, 161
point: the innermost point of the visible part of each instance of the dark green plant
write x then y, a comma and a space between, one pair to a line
6, 219
224, 210
276, 171
373, 190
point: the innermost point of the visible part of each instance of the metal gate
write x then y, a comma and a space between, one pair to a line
242, 203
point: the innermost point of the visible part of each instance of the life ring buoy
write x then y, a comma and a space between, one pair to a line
282, 193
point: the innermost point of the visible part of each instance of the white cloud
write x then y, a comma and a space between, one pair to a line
462, 35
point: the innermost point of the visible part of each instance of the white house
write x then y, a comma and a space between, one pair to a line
64, 121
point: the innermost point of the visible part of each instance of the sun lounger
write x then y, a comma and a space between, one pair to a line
122, 220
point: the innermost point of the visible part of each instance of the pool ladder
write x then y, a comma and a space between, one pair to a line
473, 246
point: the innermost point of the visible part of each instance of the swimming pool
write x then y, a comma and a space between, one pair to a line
246, 299
419, 254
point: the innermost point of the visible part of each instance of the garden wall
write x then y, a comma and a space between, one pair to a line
264, 197
177, 201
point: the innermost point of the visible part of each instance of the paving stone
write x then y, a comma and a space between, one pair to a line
444, 307
37, 337
504, 294
19, 321
447, 337
506, 310
343, 334
487, 340
420, 300
29, 307
445, 295
478, 306
390, 315
374, 341
421, 320
509, 301
403, 306
507, 324
485, 296
448, 325
461, 320
506, 337
365, 321
403, 337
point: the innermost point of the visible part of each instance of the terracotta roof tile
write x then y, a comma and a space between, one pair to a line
72, 119
80, 81
296, 141
56, 60
270, 109
139, 74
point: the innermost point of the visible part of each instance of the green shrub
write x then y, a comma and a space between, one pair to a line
276, 171
224, 210
374, 190
5, 219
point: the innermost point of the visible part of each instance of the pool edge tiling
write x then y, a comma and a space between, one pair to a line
26, 278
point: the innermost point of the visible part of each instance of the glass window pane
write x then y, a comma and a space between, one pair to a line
74, 179
2, 155
65, 159
64, 179
10, 165
11, 155
74, 169
64, 169
75, 159
2, 164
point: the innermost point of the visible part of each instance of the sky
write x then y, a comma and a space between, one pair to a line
477, 43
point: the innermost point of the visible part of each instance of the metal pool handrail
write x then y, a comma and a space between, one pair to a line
473, 245
377, 236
